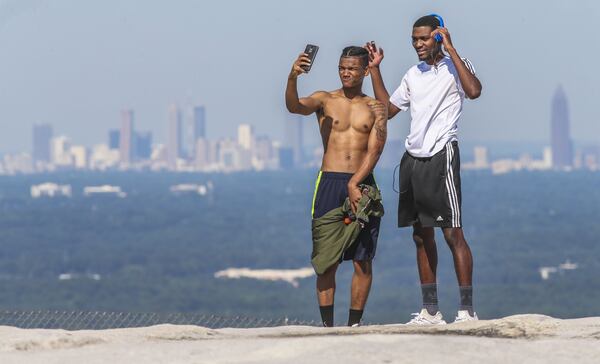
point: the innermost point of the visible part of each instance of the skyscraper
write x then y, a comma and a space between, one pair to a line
560, 139
143, 145
199, 124
42, 135
198, 127
245, 136
61, 151
174, 145
294, 137
201, 157
126, 138
114, 139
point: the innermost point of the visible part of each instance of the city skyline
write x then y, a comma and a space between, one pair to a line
188, 149
76, 64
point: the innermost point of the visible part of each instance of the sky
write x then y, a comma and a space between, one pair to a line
75, 64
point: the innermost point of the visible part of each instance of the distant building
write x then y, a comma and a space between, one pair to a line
189, 188
292, 276
103, 190
42, 135
566, 266
286, 158
198, 126
143, 145
61, 152
50, 190
174, 145
263, 149
199, 122
16, 163
103, 157
562, 147
214, 151
546, 271
201, 157
547, 157
263, 156
159, 153
294, 137
126, 138
246, 136
229, 155
114, 139
590, 158
79, 156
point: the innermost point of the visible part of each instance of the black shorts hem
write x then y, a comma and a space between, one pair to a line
405, 224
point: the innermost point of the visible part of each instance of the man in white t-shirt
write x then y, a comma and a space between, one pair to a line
430, 194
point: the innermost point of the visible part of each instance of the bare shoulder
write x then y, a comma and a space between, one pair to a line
370, 101
321, 95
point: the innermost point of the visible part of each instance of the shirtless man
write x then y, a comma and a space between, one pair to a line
353, 128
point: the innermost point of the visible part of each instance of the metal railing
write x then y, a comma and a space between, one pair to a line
73, 320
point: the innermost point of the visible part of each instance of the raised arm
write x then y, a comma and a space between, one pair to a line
304, 105
469, 82
381, 94
375, 146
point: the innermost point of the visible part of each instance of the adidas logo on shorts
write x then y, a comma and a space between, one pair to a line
439, 218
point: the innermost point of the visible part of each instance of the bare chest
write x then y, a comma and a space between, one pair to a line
343, 115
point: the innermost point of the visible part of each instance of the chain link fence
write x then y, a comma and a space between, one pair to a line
70, 320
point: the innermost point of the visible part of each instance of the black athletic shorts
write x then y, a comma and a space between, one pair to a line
430, 189
331, 190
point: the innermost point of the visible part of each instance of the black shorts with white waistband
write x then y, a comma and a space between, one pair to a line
430, 189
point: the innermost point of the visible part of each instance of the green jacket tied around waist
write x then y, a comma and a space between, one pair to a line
332, 237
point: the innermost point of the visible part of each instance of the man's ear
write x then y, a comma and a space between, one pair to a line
367, 71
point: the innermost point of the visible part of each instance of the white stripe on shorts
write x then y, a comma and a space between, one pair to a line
451, 187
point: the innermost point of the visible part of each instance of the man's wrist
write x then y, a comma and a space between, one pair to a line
451, 50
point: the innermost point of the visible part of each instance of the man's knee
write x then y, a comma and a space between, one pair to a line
363, 267
454, 237
421, 236
418, 239
329, 273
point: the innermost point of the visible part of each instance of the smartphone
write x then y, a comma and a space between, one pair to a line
311, 50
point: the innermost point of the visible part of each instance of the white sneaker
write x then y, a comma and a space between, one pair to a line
424, 318
463, 316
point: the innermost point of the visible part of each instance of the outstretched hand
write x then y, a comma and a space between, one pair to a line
375, 54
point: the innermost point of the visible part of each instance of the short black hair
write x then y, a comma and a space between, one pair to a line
427, 21
354, 51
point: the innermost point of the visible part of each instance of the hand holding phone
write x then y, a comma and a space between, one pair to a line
311, 51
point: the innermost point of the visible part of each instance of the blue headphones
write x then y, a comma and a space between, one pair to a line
438, 37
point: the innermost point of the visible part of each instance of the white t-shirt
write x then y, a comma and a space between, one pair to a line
435, 96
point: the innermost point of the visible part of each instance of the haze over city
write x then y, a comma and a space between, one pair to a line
77, 65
